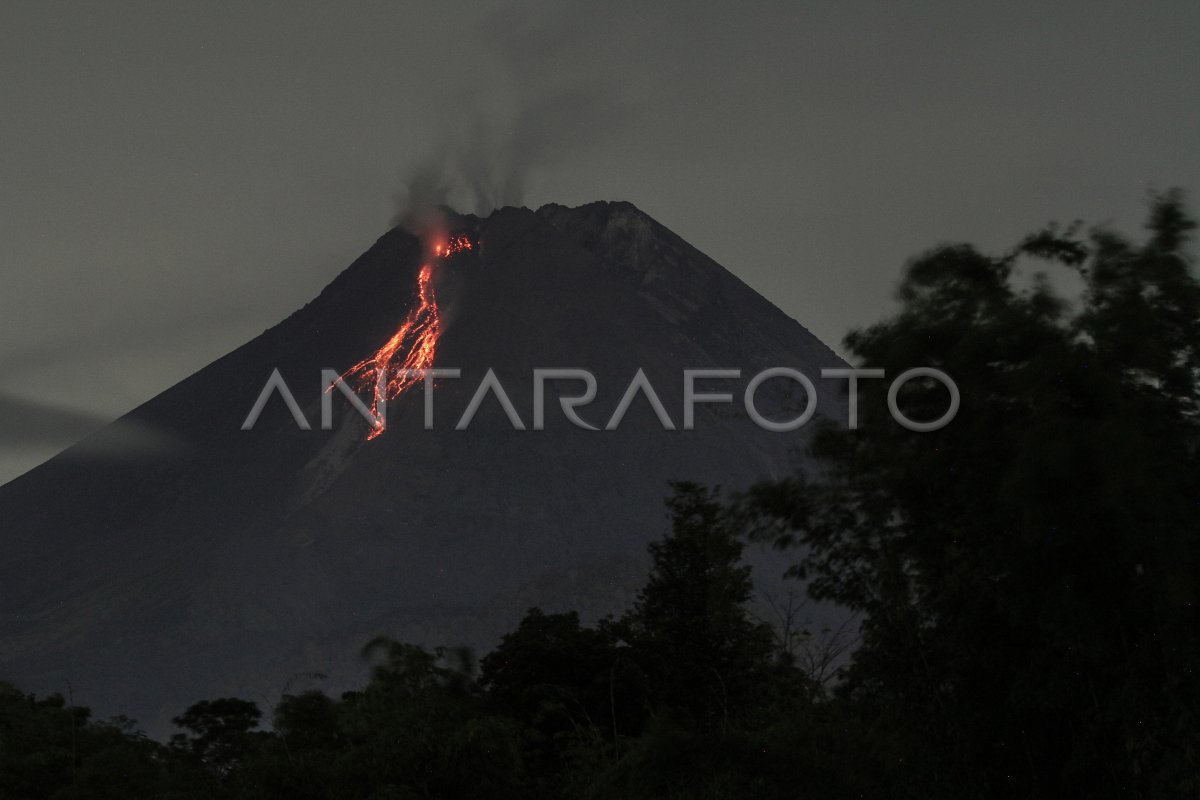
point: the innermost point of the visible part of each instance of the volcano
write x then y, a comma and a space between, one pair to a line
223, 561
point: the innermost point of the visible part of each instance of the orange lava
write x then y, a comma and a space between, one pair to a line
456, 244
411, 347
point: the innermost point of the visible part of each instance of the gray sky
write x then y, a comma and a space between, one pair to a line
174, 178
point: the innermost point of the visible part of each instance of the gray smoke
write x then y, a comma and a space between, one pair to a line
539, 109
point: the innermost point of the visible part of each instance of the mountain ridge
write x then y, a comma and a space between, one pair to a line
229, 560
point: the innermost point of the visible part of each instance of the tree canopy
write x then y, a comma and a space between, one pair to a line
1027, 574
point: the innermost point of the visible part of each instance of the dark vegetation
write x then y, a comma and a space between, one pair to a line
1025, 579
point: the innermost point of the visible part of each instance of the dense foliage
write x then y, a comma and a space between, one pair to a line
1028, 574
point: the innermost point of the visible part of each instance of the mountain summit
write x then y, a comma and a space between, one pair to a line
230, 561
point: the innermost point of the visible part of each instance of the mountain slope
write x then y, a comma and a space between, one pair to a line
225, 561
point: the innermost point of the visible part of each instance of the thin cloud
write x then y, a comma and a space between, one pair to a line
26, 423
30, 425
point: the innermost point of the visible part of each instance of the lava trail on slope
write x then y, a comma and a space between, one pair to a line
391, 370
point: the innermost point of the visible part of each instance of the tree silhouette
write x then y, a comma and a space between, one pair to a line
689, 629
1027, 574
220, 737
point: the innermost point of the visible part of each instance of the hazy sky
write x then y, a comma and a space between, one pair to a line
174, 178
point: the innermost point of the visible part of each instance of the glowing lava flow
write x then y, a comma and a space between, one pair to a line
411, 347
456, 244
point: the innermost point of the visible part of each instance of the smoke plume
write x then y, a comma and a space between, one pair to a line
539, 109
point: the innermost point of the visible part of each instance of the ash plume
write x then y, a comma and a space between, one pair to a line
536, 111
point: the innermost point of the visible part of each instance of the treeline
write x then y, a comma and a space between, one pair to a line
1026, 581
686, 695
